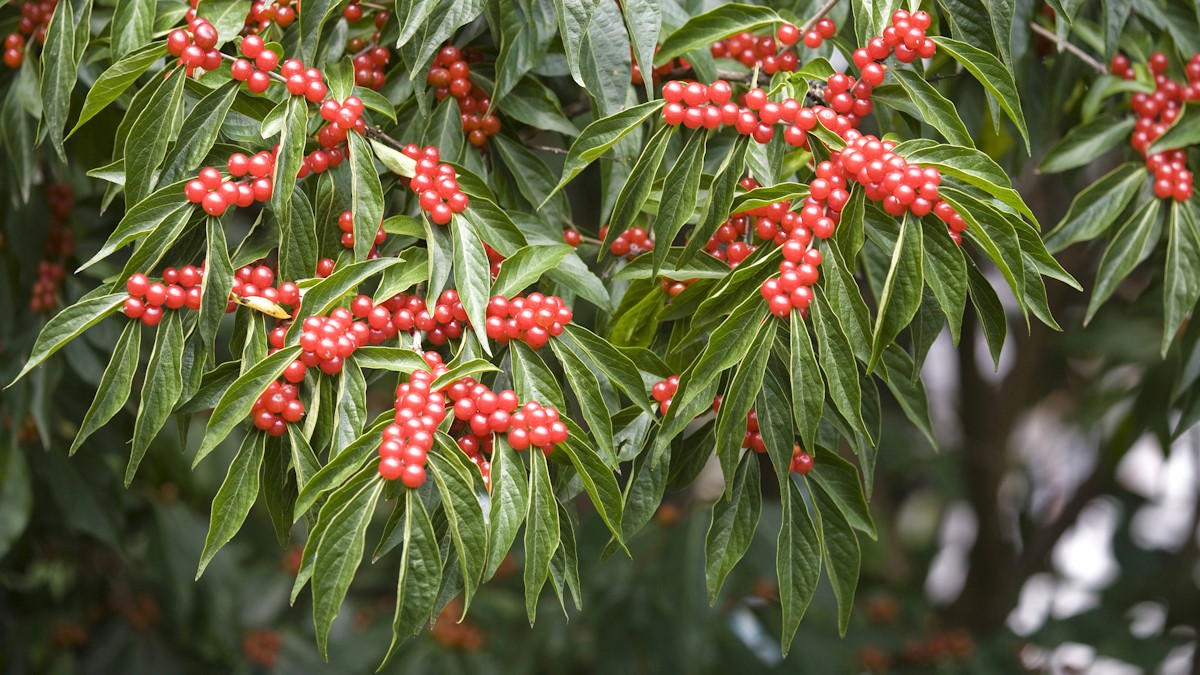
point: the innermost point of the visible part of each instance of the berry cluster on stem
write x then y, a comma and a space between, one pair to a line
276, 408
450, 76
35, 17
147, 299
435, 184
408, 440
346, 225
1155, 114
532, 320
60, 245
249, 182
629, 244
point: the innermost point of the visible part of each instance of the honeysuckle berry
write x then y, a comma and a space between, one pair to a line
536, 426
532, 320
276, 408
802, 462
436, 185
630, 243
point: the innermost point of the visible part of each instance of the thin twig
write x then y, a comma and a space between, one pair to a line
818, 16
934, 79
1064, 44
377, 134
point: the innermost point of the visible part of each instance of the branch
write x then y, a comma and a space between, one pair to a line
377, 134
1064, 44
817, 17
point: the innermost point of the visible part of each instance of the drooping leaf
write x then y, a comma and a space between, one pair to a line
599, 136
1084, 143
237, 494
901, 295
733, 524
1181, 285
337, 557
70, 324
992, 74
117, 78
1129, 246
541, 531
471, 275
115, 385
146, 146
702, 30
1097, 207
840, 550
679, 202
936, 110
420, 571
160, 391
797, 562
808, 389
465, 517
508, 504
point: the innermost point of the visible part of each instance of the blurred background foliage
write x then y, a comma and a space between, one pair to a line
1056, 530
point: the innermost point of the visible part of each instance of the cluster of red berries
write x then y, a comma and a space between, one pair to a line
35, 16
60, 245
802, 462
660, 71
259, 282
450, 76
478, 449
408, 440
479, 413
537, 426
905, 37
729, 235
765, 51
1155, 114
370, 64
263, 12
886, 178
327, 341
532, 320
753, 437
435, 184
249, 182
178, 288
343, 118
321, 160
792, 289
346, 225
196, 47
631, 243
410, 312
276, 408
256, 68
663, 390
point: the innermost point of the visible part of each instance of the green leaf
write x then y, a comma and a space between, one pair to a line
808, 389
574, 19
471, 276
16, 496
465, 516
532, 103
638, 186
1129, 246
1181, 285
526, 266
351, 407
395, 359
775, 424
442, 20
991, 312
797, 562
116, 79
440, 243
839, 480
541, 531
507, 505
420, 572
70, 324
279, 489
975, 168
198, 133
290, 157
237, 494
236, 403
146, 146
1098, 206
679, 196
115, 385
605, 60
901, 295
215, 285
1084, 143
443, 129
532, 379
597, 478
229, 17
18, 135
992, 74
461, 369
132, 26
140, 219
493, 225
644, 20
936, 110
909, 391
837, 362
591, 401
702, 30
720, 199
60, 67
601, 135
337, 557
732, 527
615, 365
739, 400
160, 391
727, 345
839, 547
342, 466
643, 495
362, 482
945, 271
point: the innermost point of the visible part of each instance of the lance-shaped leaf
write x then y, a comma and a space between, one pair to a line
615, 365
702, 30
739, 400
215, 285
992, 74
471, 275
1094, 210
160, 391
597, 478
146, 146
198, 133
132, 26
60, 67
574, 18
340, 468
237, 494
465, 517
901, 295
837, 362
366, 195
591, 400
908, 390
461, 369
1084, 143
322, 296
238, 400
140, 219
680, 188
420, 572
990, 311
797, 562
337, 558
945, 271
720, 199
364, 480
290, 159
1131, 245
840, 549
526, 266
839, 479
115, 385
643, 18
1181, 285
974, 167
935, 109
395, 359
601, 135
808, 389
532, 379
508, 503
774, 409
1185, 132
70, 324
117, 78
541, 531
638, 186
733, 524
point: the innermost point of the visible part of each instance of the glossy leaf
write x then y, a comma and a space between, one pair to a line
465, 516
808, 389
1181, 286
115, 385
797, 562
992, 74
841, 552
732, 527
679, 202
1097, 207
901, 294
338, 555
591, 401
471, 275
702, 30
1084, 143
936, 110
236, 495
541, 531
420, 570
117, 78
70, 324
599, 136
160, 391
1129, 246
508, 504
